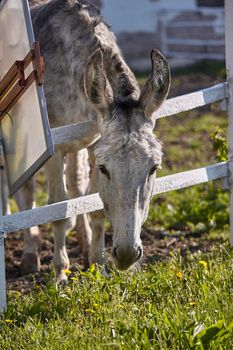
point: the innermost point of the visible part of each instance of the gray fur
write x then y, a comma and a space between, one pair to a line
87, 79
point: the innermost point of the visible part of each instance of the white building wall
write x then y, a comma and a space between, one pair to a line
139, 15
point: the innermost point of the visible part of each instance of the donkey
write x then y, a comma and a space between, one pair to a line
87, 79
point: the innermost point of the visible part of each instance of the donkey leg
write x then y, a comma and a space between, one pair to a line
56, 187
30, 262
84, 228
97, 248
77, 179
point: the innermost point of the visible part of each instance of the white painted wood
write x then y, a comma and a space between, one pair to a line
74, 132
190, 101
229, 66
86, 204
191, 178
52, 212
3, 305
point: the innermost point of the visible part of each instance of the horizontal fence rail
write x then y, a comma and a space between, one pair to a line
193, 100
74, 132
191, 177
172, 106
90, 203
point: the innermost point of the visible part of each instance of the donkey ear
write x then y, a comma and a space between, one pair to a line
122, 80
157, 86
96, 86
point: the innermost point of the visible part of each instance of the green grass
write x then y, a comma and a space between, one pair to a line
187, 140
199, 208
184, 303
191, 140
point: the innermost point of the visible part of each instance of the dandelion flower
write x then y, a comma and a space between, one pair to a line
203, 264
179, 275
8, 321
192, 303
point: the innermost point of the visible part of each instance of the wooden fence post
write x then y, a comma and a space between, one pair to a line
229, 67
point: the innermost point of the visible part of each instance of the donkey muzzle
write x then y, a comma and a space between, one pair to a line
125, 256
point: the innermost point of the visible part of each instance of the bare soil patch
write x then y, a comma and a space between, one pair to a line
157, 246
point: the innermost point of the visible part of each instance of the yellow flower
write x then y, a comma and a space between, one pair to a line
67, 272
192, 303
179, 275
203, 264
9, 321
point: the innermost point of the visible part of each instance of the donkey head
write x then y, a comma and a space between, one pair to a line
127, 154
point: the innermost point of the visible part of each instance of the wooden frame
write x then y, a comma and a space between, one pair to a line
26, 134
14, 84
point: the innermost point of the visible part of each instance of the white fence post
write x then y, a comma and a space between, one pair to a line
229, 67
3, 305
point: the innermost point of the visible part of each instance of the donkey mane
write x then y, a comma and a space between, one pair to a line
79, 7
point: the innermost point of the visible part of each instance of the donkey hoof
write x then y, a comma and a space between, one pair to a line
105, 273
30, 264
61, 280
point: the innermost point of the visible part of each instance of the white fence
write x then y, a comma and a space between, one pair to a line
174, 29
89, 203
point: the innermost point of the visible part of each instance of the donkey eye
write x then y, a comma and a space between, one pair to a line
153, 170
104, 171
